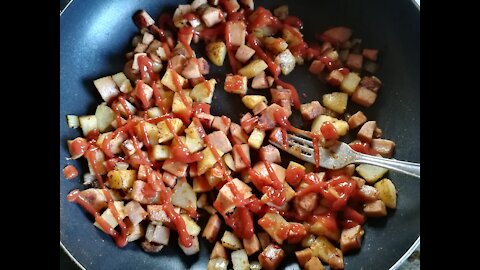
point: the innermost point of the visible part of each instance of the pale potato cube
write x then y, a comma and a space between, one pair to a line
231, 241
178, 106
108, 216
105, 116
203, 92
154, 112
240, 260
350, 83
387, 192
168, 79
370, 173
121, 179
193, 140
207, 161
272, 223
192, 227
183, 195
216, 52
286, 61
228, 159
253, 68
250, 101
340, 126
164, 131
72, 121
161, 152
88, 123
327, 252
119, 78
256, 138
336, 101
217, 264
193, 249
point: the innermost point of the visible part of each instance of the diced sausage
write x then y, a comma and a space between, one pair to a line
270, 153
237, 157
237, 31
335, 77
307, 202
212, 16
383, 147
377, 133
370, 54
287, 106
203, 65
178, 62
218, 251
357, 120
261, 81
95, 197
161, 235
135, 212
137, 191
151, 247
220, 141
271, 257
248, 122
169, 179
371, 83
175, 167
364, 96
365, 133
243, 54
259, 108
191, 69
221, 123
303, 256
351, 238
206, 119
142, 19
368, 193
280, 94
276, 135
251, 245
316, 67
355, 61
375, 209
337, 35
225, 201
267, 119
314, 264
212, 228
238, 135
311, 110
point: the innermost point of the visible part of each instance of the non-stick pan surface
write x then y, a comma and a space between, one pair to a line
95, 35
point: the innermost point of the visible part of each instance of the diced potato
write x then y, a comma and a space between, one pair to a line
192, 227
387, 192
108, 216
150, 129
72, 121
291, 38
253, 68
183, 195
370, 173
350, 83
217, 264
340, 126
161, 152
218, 251
106, 87
119, 78
303, 256
207, 161
164, 131
121, 179
314, 264
216, 52
88, 123
203, 92
194, 248
256, 138
286, 61
275, 45
193, 140
327, 252
168, 79
251, 245
225, 201
228, 159
154, 112
308, 240
178, 106
240, 260
231, 241
251, 101
336, 101
255, 265
135, 232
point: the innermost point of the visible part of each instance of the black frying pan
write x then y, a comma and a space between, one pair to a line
94, 35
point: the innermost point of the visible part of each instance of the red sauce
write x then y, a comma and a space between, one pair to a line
180, 151
293, 21
141, 95
190, 17
78, 147
241, 221
293, 90
353, 215
145, 65
296, 233
159, 119
262, 17
344, 71
328, 131
91, 157
183, 35
363, 147
200, 107
106, 146
212, 33
234, 83
277, 194
70, 172
123, 103
294, 175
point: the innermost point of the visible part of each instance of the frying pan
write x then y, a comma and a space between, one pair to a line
95, 35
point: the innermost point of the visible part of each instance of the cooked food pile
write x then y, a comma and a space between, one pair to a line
159, 161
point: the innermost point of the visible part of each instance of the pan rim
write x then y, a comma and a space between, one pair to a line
395, 266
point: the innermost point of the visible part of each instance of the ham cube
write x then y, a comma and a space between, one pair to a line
355, 61
351, 239
220, 141
364, 96
375, 209
178, 62
368, 193
221, 123
270, 153
259, 108
316, 67
211, 16
371, 83
251, 245
203, 65
311, 110
135, 212
206, 119
303, 256
236, 31
271, 257
191, 69
365, 134
370, 54
225, 201
212, 228
280, 94
357, 120
248, 122
261, 81
244, 53
241, 152
236, 84
337, 35
238, 135
383, 147
176, 168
